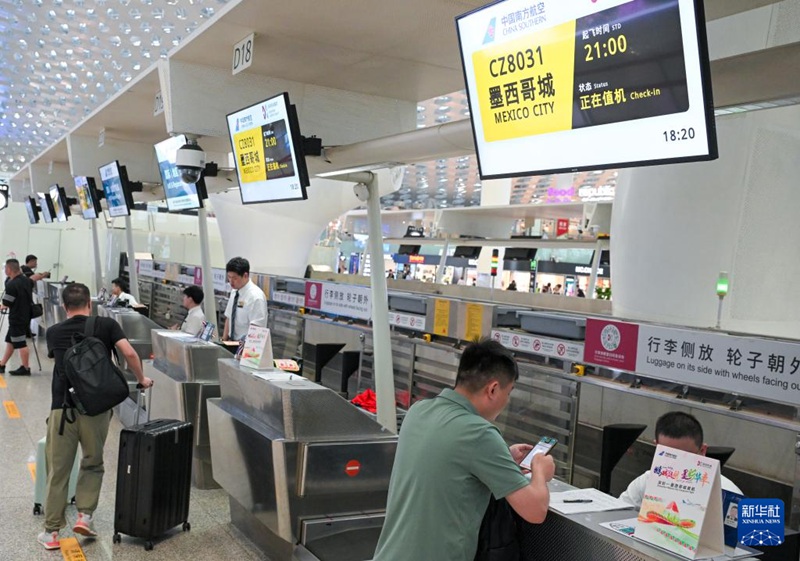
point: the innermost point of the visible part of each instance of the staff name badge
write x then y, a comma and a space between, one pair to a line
682, 507
257, 351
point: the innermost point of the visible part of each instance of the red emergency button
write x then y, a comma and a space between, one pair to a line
352, 468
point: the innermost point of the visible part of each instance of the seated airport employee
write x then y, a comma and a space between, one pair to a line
246, 304
28, 269
119, 293
193, 323
450, 459
676, 430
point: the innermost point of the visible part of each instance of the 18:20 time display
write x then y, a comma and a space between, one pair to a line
679, 134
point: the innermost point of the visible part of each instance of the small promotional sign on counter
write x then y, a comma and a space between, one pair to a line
257, 351
682, 506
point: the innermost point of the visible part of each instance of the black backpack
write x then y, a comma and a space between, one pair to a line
94, 383
498, 539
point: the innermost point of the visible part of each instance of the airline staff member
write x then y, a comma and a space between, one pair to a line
247, 303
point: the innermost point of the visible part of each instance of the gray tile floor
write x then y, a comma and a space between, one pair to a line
212, 536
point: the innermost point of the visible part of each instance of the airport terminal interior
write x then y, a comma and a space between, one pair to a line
608, 189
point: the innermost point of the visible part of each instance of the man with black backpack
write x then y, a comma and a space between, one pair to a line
64, 435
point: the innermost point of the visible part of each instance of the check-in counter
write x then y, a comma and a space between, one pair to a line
306, 471
185, 374
137, 330
579, 537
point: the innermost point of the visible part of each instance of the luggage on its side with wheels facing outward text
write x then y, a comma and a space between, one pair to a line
154, 477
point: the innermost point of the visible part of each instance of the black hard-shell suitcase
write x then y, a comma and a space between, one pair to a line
154, 477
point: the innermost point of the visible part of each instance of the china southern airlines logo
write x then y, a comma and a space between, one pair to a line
489, 37
237, 124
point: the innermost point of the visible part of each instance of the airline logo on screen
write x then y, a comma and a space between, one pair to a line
489, 37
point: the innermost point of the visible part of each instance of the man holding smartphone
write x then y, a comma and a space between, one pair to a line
450, 460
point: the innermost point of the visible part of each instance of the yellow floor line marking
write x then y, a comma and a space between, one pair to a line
3, 382
11, 410
71, 550
32, 469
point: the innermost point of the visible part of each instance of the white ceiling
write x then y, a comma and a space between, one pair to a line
62, 58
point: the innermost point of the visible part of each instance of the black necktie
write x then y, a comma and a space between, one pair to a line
233, 316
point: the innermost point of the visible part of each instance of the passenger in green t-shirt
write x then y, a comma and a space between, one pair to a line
451, 459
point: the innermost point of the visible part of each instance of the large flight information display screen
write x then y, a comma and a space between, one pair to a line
559, 86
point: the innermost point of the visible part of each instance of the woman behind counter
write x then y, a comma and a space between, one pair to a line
120, 295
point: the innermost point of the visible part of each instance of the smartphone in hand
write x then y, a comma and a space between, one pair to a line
542, 447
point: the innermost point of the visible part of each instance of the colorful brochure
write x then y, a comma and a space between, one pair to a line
682, 506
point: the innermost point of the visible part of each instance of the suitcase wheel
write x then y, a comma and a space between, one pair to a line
117, 538
186, 526
37, 508
148, 546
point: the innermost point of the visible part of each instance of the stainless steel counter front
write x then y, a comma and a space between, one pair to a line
300, 463
137, 330
185, 373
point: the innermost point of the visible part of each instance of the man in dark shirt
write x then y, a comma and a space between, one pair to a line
31, 262
17, 303
90, 431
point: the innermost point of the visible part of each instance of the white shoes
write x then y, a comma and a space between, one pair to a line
49, 540
84, 526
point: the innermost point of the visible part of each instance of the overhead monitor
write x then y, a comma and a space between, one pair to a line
267, 148
179, 195
60, 206
119, 199
518, 253
467, 251
46, 204
557, 86
409, 249
88, 197
33, 210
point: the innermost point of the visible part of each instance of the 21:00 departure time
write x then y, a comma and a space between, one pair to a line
513, 62
680, 134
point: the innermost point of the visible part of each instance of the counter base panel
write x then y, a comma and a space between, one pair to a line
262, 537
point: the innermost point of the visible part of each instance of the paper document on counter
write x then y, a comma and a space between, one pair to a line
592, 500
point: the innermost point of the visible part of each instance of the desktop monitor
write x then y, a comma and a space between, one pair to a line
556, 86
88, 197
267, 148
60, 206
46, 204
116, 187
33, 210
179, 195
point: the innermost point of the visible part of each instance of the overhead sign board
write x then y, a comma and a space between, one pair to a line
563, 86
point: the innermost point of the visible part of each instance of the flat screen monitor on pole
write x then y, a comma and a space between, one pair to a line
266, 143
88, 197
119, 198
557, 86
33, 210
46, 204
60, 206
179, 194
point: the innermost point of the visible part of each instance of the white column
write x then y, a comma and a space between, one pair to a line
98, 264
209, 302
383, 368
132, 274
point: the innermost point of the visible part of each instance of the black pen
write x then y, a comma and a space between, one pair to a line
576, 501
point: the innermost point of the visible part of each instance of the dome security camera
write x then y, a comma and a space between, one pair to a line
190, 161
